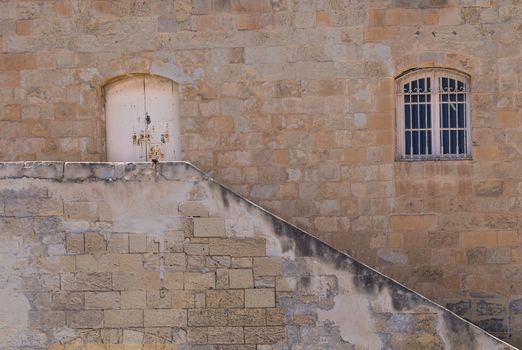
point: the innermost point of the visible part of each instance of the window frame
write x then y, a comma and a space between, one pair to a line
434, 74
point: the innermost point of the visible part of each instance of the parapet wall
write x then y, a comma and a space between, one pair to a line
114, 253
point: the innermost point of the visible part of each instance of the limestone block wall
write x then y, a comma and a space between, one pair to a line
291, 104
136, 256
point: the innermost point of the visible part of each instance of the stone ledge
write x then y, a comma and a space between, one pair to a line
101, 171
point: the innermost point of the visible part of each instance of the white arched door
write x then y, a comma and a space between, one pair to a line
142, 117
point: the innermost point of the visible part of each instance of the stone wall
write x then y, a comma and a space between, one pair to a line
290, 103
96, 255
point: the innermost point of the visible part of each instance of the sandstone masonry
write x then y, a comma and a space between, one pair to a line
170, 259
291, 104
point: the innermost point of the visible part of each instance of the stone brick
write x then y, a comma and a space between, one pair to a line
167, 25
285, 284
197, 335
57, 264
240, 278
173, 280
87, 211
199, 281
146, 280
137, 243
43, 170
9, 79
507, 238
63, 9
85, 319
34, 207
102, 300
268, 266
264, 297
379, 34
196, 263
194, 209
207, 317
498, 256
74, 243
485, 153
195, 248
276, 317
209, 227
95, 242
130, 262
68, 301
248, 22
264, 335
241, 263
118, 243
97, 263
159, 299
237, 247
175, 261
225, 298
213, 262
133, 299
123, 318
250, 6
222, 280
11, 170
449, 16
323, 19
508, 119
165, 318
246, 317
182, 299
413, 222
24, 27
86, 281
225, 335
46, 319
471, 239
493, 187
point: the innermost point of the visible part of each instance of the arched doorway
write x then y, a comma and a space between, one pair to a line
142, 117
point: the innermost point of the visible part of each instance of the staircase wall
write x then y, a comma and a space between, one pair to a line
97, 255
292, 104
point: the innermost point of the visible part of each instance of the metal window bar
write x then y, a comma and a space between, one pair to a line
453, 118
417, 118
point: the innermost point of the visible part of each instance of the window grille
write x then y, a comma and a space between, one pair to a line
433, 115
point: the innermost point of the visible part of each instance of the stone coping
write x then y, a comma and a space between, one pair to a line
96, 171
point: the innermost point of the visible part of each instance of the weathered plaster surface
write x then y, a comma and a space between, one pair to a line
113, 253
291, 103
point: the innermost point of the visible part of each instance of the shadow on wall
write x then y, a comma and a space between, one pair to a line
138, 253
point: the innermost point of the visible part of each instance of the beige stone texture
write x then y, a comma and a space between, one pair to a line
270, 285
198, 280
209, 227
263, 297
241, 278
133, 299
290, 104
165, 318
237, 248
123, 318
225, 298
102, 300
268, 266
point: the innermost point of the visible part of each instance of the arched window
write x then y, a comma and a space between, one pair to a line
433, 115
142, 117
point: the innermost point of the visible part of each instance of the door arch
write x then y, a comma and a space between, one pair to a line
142, 119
